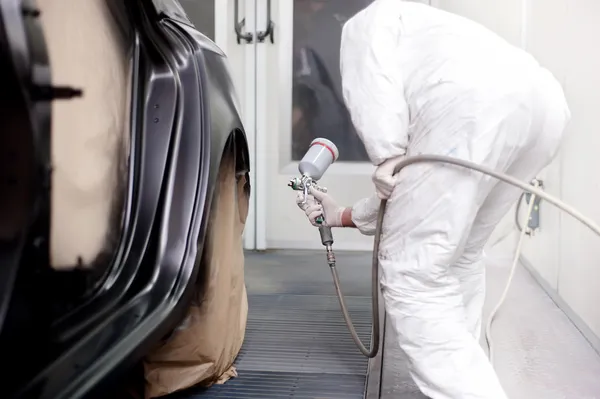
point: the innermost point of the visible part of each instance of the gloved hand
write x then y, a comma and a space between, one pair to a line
319, 203
384, 178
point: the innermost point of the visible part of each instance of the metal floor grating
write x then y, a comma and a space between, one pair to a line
304, 334
297, 345
273, 385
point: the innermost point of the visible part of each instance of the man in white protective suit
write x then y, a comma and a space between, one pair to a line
418, 80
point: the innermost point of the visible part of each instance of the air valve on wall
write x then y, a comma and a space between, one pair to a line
533, 223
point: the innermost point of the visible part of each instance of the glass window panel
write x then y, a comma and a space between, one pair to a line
318, 106
202, 15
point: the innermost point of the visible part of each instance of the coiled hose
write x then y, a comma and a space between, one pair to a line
370, 353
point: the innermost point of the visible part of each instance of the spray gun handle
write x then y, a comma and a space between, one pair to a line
320, 219
326, 236
304, 184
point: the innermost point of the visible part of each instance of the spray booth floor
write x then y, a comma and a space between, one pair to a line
297, 345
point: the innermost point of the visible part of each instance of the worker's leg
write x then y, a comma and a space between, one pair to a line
470, 266
429, 214
470, 270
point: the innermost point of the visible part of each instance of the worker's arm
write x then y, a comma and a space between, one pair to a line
347, 218
372, 82
363, 214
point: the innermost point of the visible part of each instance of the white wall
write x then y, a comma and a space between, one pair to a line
503, 17
564, 35
546, 40
579, 261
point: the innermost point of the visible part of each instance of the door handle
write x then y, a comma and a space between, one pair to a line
239, 25
270, 30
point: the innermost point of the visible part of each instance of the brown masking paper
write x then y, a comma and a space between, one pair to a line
201, 351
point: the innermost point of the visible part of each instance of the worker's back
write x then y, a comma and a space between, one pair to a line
457, 77
437, 45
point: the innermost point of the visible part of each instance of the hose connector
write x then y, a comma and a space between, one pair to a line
330, 256
327, 241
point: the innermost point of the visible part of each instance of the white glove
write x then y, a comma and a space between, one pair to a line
384, 178
319, 203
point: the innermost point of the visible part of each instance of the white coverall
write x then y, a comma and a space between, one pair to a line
418, 80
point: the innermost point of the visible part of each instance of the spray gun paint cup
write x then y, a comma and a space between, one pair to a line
320, 155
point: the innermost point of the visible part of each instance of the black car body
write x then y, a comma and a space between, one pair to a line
93, 326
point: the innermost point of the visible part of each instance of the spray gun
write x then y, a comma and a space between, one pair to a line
320, 155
